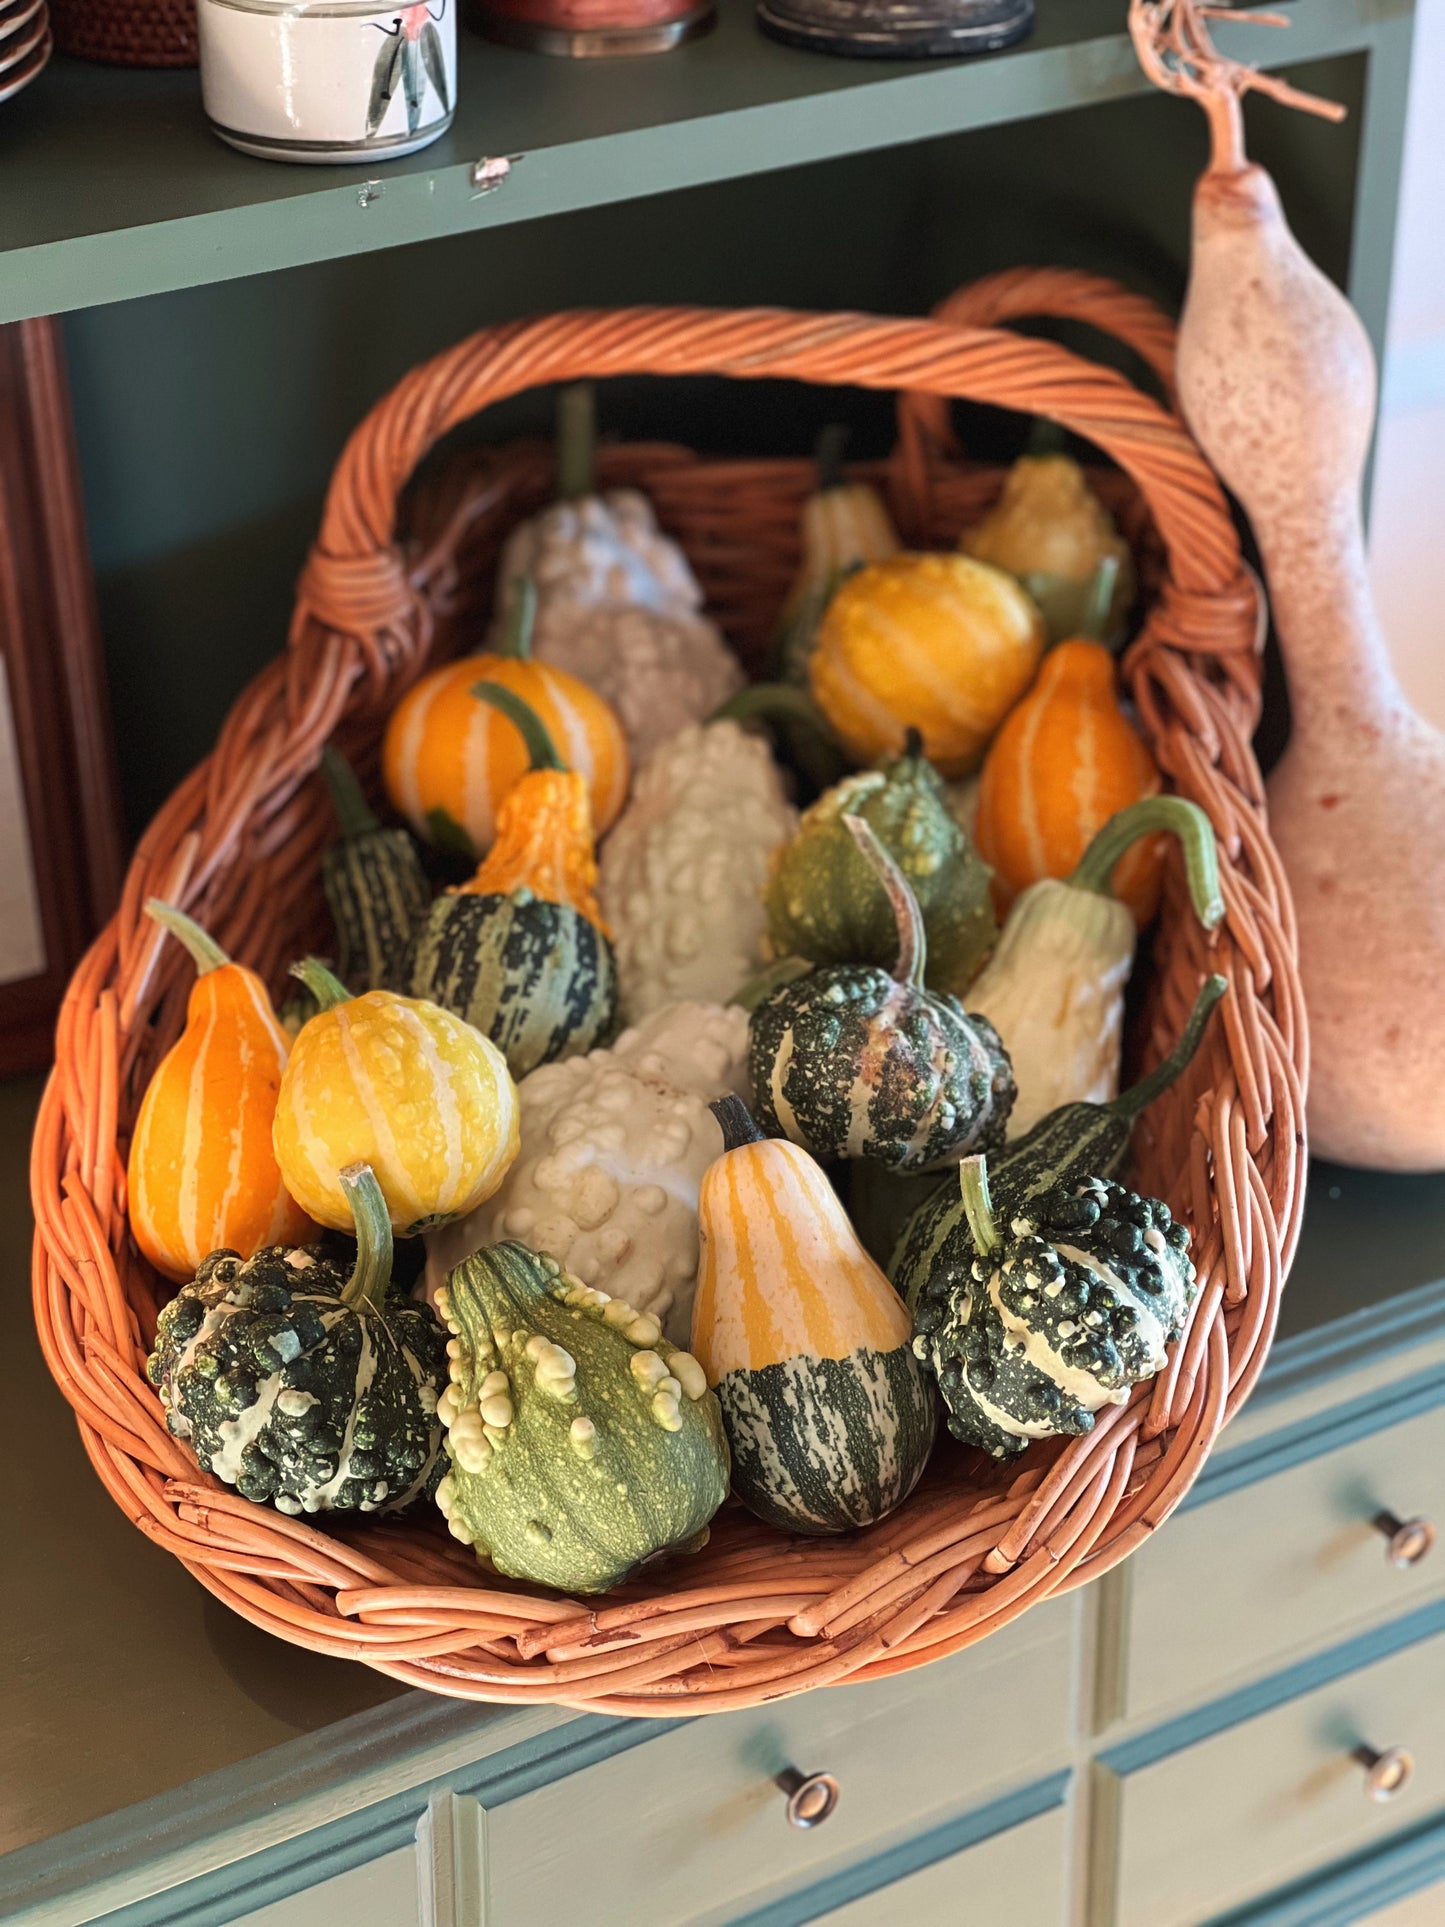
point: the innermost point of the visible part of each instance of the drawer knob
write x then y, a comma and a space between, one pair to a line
811, 1796
1387, 1773
1406, 1540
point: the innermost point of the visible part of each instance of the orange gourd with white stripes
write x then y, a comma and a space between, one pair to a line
402, 1085
937, 643
202, 1175
448, 761
828, 1413
1066, 760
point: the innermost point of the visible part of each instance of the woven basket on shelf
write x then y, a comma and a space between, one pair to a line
755, 1615
127, 33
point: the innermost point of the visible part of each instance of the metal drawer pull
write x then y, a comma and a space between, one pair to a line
1407, 1540
1387, 1773
811, 1796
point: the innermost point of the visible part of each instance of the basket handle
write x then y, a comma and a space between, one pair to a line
357, 586
925, 423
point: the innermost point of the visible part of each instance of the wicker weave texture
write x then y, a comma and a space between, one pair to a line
755, 1616
128, 33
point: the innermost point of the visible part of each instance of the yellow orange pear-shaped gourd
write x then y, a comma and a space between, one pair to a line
544, 841
1065, 761
399, 1084
938, 643
828, 1413
202, 1175
448, 761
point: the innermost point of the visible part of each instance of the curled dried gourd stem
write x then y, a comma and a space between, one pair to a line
1180, 818
735, 1121
912, 938
325, 986
204, 951
367, 1286
1138, 1097
977, 1204
1172, 41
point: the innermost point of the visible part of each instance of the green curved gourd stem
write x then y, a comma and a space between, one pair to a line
348, 799
205, 952
576, 442
325, 986
534, 733
1182, 819
782, 702
977, 1204
1129, 1104
736, 1122
829, 455
1094, 623
912, 938
367, 1286
521, 620
757, 990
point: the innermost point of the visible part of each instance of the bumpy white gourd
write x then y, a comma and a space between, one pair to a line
681, 875
600, 551
612, 1154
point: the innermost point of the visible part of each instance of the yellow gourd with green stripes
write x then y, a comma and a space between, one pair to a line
399, 1084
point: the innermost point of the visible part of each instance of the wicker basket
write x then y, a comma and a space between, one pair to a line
755, 1616
128, 33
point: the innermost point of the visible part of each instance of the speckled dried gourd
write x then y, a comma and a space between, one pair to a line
581, 1443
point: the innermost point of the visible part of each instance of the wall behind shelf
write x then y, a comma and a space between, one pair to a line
209, 420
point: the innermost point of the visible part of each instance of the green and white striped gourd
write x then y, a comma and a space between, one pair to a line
373, 879
581, 1443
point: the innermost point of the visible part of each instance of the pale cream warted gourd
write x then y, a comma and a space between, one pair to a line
1054, 987
617, 604
682, 875
614, 1146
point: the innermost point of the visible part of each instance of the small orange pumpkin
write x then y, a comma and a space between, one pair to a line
1065, 761
448, 761
202, 1175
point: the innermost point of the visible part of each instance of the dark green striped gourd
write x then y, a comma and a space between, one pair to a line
373, 881
519, 951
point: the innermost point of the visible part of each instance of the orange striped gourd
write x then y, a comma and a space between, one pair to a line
938, 643
402, 1085
1065, 761
828, 1413
448, 761
202, 1175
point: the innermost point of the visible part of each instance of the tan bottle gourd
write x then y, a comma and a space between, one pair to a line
1277, 382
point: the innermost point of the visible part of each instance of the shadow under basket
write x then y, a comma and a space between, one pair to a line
755, 1615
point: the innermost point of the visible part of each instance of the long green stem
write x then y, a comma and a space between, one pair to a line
325, 987
1129, 1104
1155, 813
912, 937
534, 733
367, 1286
1094, 622
977, 1204
521, 620
205, 951
348, 799
831, 443
782, 702
736, 1122
576, 442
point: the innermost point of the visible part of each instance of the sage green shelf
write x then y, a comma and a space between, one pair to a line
114, 188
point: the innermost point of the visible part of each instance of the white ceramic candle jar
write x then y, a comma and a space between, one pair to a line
328, 80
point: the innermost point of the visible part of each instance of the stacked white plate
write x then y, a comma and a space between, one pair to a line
24, 43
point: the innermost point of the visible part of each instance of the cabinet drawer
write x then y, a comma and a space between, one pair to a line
1424, 1908
1267, 1801
383, 1893
1235, 1587
1018, 1876
691, 1827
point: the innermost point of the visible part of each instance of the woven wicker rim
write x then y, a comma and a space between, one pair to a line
755, 1616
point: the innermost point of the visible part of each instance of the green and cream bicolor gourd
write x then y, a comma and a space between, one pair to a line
581, 1443
520, 951
1054, 987
373, 879
1075, 1142
824, 902
1066, 1306
300, 1378
829, 1414
851, 1061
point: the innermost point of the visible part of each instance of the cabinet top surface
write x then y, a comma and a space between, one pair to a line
121, 1679
116, 189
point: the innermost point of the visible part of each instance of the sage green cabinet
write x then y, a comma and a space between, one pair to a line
1015, 1877
380, 1893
